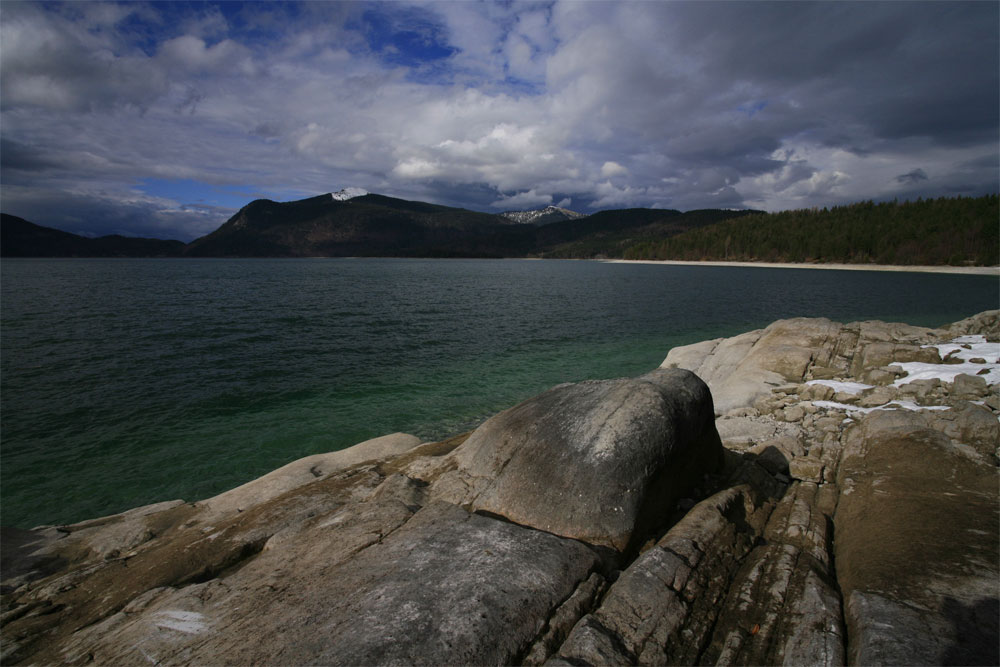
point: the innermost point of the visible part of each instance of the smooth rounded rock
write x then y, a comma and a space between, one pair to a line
596, 461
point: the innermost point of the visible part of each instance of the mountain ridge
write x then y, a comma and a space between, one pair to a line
364, 225
353, 222
21, 238
373, 225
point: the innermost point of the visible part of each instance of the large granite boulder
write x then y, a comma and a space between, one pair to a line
601, 461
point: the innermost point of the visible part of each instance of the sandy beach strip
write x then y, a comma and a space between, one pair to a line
967, 270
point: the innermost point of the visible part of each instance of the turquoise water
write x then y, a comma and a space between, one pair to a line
126, 382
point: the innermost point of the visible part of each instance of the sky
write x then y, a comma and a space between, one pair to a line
163, 119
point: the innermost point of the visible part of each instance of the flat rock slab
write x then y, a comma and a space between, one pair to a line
917, 546
448, 587
305, 470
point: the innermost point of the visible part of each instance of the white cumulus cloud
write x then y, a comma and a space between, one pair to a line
612, 168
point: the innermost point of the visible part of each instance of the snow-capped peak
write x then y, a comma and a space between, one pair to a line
348, 193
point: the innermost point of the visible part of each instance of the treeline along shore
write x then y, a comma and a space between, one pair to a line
808, 493
948, 231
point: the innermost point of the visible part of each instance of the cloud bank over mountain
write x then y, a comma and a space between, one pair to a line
162, 119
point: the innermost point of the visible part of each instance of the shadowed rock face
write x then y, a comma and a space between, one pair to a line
933, 513
584, 526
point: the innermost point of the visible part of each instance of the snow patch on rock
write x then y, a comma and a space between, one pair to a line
963, 347
348, 193
529, 217
844, 387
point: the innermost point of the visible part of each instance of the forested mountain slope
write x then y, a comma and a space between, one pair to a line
609, 233
370, 225
955, 231
20, 238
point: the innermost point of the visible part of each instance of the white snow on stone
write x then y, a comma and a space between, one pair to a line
969, 339
845, 387
855, 409
188, 622
977, 348
917, 370
348, 193
910, 405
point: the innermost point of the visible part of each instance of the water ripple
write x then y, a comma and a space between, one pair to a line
133, 381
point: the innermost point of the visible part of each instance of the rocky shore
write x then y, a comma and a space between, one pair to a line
809, 493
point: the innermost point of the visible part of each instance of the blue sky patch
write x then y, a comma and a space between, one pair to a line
190, 192
408, 37
751, 109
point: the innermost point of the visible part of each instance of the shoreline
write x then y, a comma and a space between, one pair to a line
832, 266
960, 270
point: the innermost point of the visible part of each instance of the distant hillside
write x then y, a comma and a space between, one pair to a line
955, 231
610, 233
941, 231
375, 225
369, 225
20, 238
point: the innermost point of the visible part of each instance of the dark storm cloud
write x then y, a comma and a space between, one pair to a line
914, 176
890, 69
20, 157
94, 215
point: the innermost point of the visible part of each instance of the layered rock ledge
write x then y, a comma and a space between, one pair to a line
810, 493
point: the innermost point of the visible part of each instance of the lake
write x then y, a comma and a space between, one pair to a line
127, 382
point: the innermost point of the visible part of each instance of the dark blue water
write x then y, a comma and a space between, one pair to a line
126, 382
